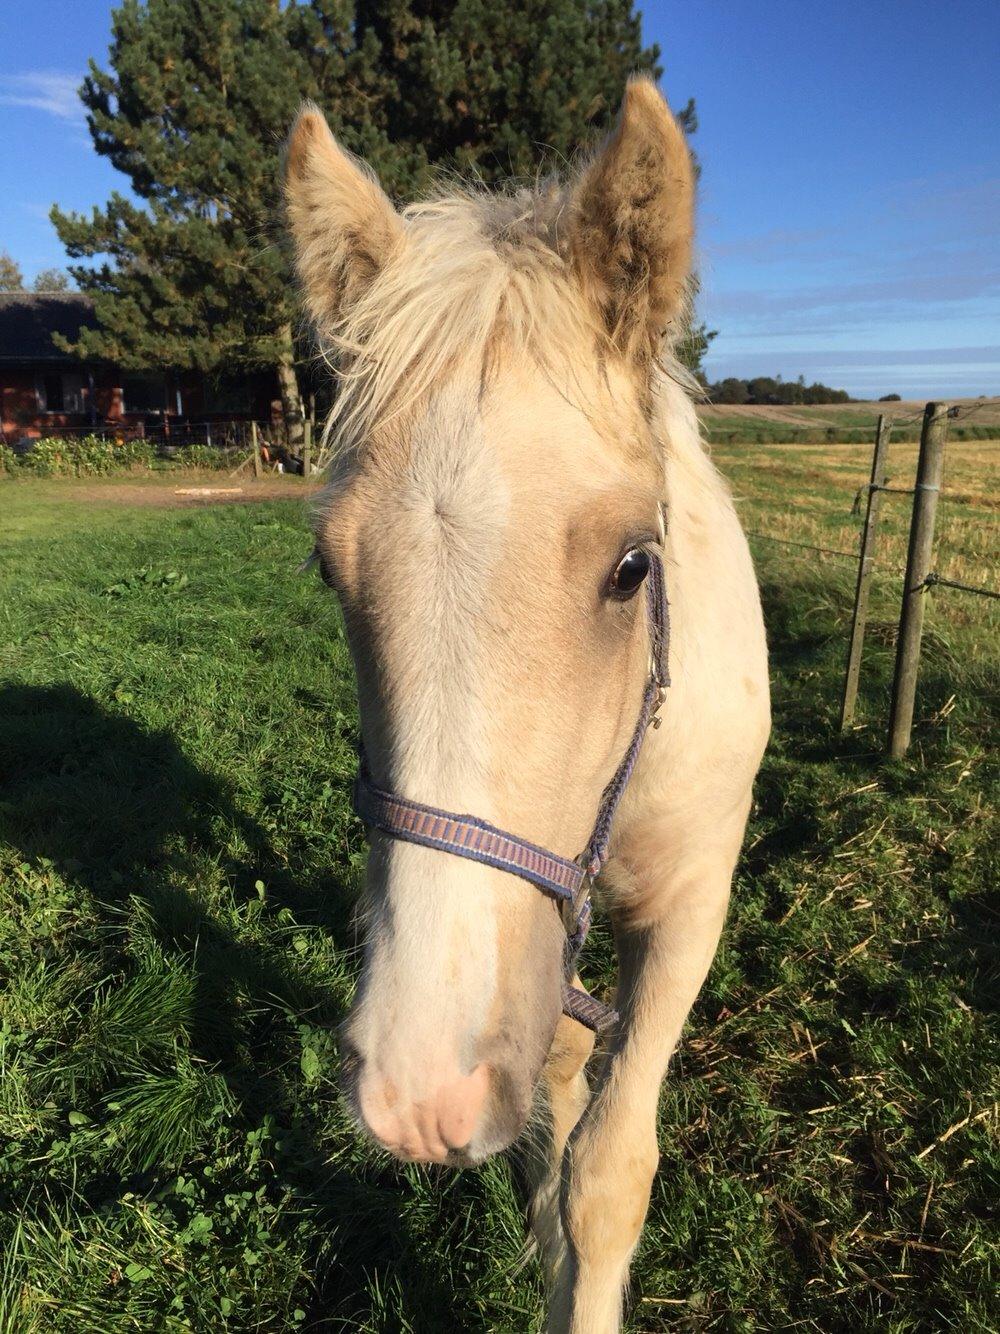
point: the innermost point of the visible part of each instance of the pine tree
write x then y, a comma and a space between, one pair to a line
493, 88
200, 94
691, 348
192, 111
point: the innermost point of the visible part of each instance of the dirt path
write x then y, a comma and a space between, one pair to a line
174, 490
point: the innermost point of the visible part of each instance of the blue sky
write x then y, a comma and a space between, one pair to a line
850, 200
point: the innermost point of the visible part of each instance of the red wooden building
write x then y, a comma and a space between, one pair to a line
44, 391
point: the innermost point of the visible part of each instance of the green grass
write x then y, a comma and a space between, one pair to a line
177, 866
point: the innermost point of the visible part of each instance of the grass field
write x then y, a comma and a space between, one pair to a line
823, 423
177, 863
808, 494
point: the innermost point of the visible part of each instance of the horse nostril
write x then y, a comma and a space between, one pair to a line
461, 1105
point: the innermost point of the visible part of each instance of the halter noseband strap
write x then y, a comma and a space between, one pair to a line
565, 880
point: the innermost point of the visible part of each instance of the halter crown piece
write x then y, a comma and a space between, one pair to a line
568, 881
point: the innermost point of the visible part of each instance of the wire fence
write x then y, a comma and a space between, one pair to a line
852, 556
954, 413
912, 584
177, 433
243, 445
937, 580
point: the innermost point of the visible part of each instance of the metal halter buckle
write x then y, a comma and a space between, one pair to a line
661, 695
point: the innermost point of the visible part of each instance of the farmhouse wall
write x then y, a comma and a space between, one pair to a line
43, 389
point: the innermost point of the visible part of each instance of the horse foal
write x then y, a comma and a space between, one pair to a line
510, 429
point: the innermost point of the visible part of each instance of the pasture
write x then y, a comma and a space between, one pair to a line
824, 423
177, 867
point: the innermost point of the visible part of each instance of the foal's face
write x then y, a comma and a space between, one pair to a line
473, 549
472, 533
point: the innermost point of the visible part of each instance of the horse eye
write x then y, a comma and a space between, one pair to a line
629, 573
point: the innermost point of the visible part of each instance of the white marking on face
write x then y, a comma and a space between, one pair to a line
454, 509
438, 541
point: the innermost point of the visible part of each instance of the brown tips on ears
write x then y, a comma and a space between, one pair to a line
343, 226
632, 224
309, 133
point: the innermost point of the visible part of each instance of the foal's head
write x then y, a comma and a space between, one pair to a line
495, 467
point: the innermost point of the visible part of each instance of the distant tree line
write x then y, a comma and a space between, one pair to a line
48, 280
773, 390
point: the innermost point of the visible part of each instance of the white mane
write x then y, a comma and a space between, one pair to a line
475, 274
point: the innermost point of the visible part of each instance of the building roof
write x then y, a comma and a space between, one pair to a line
29, 319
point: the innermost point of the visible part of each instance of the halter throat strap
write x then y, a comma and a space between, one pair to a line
568, 881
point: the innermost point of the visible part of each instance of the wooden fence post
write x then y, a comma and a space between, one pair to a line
257, 469
307, 445
863, 586
930, 466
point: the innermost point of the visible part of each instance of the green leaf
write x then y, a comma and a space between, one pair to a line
200, 1226
311, 1065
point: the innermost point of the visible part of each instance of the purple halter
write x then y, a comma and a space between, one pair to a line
565, 880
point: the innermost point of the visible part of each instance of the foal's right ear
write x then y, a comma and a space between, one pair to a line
343, 226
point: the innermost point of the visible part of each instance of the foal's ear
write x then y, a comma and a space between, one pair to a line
343, 226
632, 222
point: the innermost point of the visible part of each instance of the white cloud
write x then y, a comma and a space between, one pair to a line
45, 90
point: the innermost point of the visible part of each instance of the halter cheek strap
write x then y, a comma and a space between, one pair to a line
479, 841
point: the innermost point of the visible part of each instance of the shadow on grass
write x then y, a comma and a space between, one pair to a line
123, 814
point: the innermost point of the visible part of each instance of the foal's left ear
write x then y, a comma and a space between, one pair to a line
343, 226
632, 223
